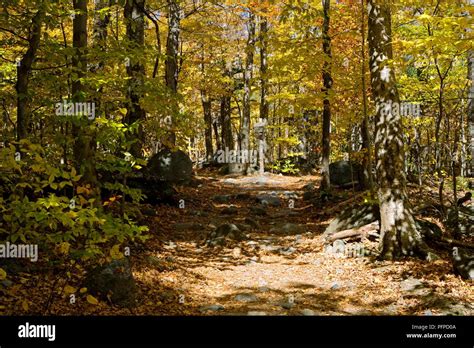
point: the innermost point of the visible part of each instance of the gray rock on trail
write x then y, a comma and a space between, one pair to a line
270, 248
290, 195
411, 284
457, 308
237, 168
258, 210
246, 298
287, 251
193, 226
173, 167
269, 200
213, 308
114, 280
337, 249
223, 233
310, 192
308, 312
288, 229
230, 210
222, 198
363, 214
256, 313
251, 222
353, 217
242, 196
244, 227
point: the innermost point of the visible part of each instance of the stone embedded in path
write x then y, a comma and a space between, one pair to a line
269, 200
258, 210
454, 308
242, 196
251, 222
287, 305
246, 297
307, 312
236, 252
288, 229
222, 198
230, 210
290, 195
267, 247
213, 308
193, 226
287, 251
411, 284
244, 227
223, 233
256, 313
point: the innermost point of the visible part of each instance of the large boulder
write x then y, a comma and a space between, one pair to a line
343, 173
465, 219
364, 214
113, 281
155, 190
353, 217
171, 166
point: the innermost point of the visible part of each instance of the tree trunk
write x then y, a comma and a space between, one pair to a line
471, 107
23, 75
327, 85
206, 107
367, 178
263, 90
171, 62
134, 17
225, 115
248, 73
215, 127
398, 234
84, 150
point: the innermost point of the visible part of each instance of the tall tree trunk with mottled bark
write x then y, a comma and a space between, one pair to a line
135, 21
367, 178
171, 61
207, 110
327, 85
23, 76
263, 39
248, 74
84, 149
398, 234
471, 107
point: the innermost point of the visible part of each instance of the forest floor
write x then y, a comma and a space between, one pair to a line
270, 273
